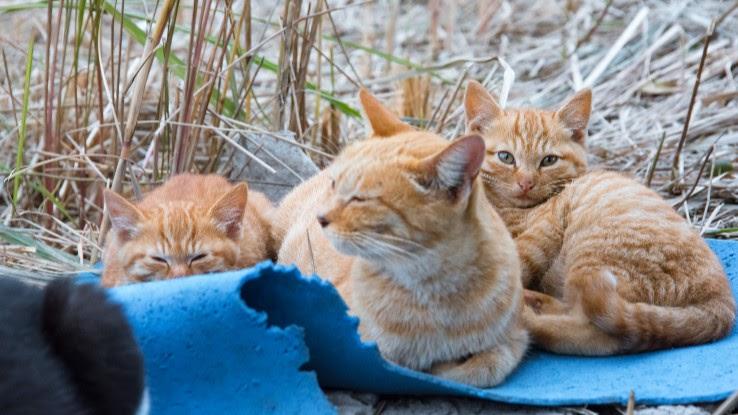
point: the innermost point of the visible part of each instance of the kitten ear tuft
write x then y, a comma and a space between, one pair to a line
574, 114
384, 123
227, 212
480, 107
124, 215
456, 167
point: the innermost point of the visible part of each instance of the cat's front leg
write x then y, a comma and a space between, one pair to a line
538, 246
487, 368
516, 219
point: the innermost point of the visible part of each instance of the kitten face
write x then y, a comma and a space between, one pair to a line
389, 208
529, 158
176, 241
531, 154
176, 238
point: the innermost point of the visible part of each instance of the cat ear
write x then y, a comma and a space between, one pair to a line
480, 106
227, 212
574, 114
455, 168
124, 215
384, 122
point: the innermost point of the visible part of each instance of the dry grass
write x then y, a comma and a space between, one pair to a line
224, 70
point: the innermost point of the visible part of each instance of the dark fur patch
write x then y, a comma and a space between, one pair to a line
66, 349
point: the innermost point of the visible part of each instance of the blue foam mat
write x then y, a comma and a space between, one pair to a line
207, 352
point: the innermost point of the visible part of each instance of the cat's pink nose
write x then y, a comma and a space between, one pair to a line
178, 271
323, 221
526, 184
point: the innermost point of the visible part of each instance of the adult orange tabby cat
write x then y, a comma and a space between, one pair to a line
619, 270
401, 227
191, 224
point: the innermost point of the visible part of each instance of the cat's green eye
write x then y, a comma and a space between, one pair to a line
549, 160
506, 157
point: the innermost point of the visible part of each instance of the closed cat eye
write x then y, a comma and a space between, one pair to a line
159, 259
549, 160
506, 157
357, 199
197, 257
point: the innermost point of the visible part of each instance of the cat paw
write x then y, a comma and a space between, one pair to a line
439, 368
541, 303
450, 371
479, 377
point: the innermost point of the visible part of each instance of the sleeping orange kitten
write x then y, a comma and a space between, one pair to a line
191, 224
403, 230
617, 269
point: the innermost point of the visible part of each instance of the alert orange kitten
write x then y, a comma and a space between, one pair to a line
401, 227
191, 224
617, 269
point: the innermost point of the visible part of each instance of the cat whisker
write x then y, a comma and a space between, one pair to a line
487, 177
353, 243
411, 250
396, 239
360, 241
385, 246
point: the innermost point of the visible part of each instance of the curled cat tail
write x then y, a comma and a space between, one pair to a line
91, 336
643, 326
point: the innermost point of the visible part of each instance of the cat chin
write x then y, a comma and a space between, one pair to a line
526, 202
506, 198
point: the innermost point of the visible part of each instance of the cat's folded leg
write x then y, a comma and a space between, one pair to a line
489, 367
570, 333
516, 219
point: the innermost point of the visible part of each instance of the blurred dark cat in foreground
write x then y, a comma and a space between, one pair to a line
66, 349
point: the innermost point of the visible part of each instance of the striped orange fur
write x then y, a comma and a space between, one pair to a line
614, 268
192, 224
401, 227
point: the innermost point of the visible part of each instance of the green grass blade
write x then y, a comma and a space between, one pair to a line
78, 41
15, 237
23, 7
24, 117
179, 68
389, 57
722, 231
37, 186
372, 51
